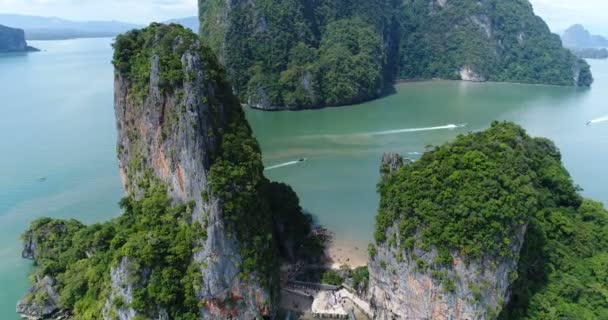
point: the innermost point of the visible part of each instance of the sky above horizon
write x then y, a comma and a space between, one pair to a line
559, 14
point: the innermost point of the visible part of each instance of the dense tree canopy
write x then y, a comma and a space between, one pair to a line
473, 195
294, 53
152, 233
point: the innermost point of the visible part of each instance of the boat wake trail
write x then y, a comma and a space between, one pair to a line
286, 164
446, 127
598, 120
365, 137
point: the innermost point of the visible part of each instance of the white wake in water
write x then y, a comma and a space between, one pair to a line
366, 137
598, 120
446, 127
286, 164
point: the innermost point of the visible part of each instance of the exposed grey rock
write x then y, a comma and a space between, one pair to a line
391, 162
467, 74
41, 302
484, 22
29, 247
42, 299
172, 135
122, 290
400, 290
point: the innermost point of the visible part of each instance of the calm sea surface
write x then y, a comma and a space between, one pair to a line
57, 123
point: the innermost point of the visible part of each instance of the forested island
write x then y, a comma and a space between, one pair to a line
13, 40
494, 226
584, 44
202, 230
576, 36
294, 54
488, 226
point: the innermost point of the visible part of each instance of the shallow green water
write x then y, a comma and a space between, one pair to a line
58, 122
344, 145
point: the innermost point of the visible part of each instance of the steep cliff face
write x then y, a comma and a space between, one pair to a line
402, 288
198, 236
293, 54
451, 226
176, 133
484, 40
13, 40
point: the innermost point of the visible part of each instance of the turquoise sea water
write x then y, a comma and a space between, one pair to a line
344, 145
58, 123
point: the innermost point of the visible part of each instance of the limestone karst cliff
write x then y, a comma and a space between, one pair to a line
488, 40
451, 227
293, 54
197, 239
13, 40
185, 128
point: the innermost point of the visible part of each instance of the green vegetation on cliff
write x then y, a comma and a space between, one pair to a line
563, 267
295, 54
154, 235
474, 195
134, 50
301, 54
498, 40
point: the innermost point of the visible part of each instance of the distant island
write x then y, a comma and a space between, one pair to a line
578, 37
13, 40
52, 28
584, 44
591, 53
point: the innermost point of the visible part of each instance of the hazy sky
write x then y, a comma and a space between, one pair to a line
559, 14
138, 11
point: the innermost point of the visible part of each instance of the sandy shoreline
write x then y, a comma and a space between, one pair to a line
350, 255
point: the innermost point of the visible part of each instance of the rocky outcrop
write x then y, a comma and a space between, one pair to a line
198, 237
42, 302
467, 74
122, 289
401, 289
391, 162
13, 40
451, 226
174, 135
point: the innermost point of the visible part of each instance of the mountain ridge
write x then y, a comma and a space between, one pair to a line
55, 28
